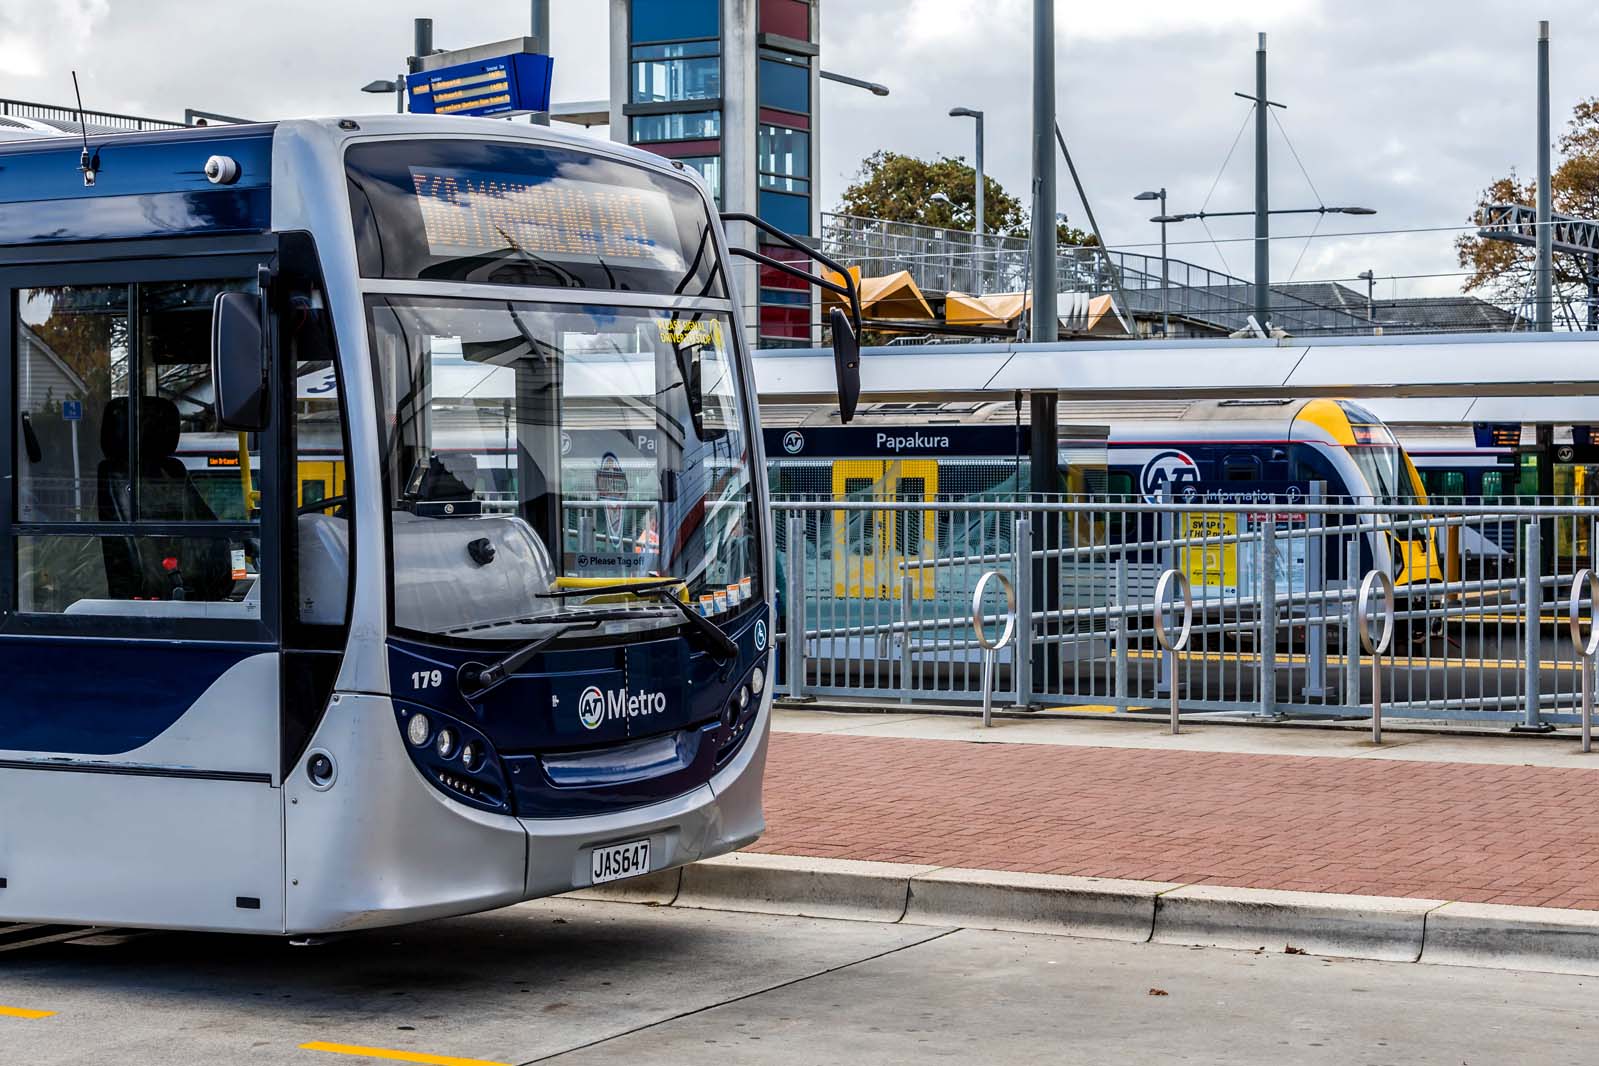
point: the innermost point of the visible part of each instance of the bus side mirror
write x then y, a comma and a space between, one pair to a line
238, 361
846, 364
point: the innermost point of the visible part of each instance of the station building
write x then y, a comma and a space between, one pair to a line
729, 87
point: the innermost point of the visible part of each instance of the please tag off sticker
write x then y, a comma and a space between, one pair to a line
239, 572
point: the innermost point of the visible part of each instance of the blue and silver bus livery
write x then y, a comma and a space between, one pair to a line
382, 533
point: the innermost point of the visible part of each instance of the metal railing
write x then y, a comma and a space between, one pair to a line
951, 260
66, 118
882, 592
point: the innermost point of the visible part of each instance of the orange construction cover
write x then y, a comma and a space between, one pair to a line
894, 296
995, 309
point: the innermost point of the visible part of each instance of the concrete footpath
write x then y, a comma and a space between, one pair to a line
1476, 850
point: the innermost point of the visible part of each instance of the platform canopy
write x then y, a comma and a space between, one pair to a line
1453, 365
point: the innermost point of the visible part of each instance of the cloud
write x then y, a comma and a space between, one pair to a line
1410, 108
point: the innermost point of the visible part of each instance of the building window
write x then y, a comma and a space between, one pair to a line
668, 72
674, 20
708, 167
785, 82
679, 126
783, 157
789, 213
788, 18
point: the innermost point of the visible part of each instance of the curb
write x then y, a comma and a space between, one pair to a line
1383, 928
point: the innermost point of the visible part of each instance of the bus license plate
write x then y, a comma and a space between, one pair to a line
621, 860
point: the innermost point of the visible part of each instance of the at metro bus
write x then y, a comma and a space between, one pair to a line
361, 671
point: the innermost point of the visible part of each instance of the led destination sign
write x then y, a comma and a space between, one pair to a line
472, 212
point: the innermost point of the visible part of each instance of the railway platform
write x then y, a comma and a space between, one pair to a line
1429, 814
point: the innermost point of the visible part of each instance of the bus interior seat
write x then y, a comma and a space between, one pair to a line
166, 493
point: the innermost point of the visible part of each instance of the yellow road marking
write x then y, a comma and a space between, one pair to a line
394, 1056
1437, 662
1093, 708
21, 1012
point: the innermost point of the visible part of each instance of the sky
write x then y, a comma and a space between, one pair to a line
1406, 106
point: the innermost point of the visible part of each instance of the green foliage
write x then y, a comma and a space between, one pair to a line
941, 192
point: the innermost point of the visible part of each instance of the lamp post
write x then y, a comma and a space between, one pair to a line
967, 112
978, 225
860, 83
1370, 278
1165, 283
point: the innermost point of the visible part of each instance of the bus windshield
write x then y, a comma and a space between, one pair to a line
538, 451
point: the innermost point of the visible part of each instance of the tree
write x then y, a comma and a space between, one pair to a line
1503, 271
941, 192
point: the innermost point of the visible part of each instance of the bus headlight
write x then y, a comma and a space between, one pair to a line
418, 729
445, 745
758, 680
743, 697
469, 755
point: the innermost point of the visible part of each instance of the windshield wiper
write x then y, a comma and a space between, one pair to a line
717, 643
480, 678
477, 679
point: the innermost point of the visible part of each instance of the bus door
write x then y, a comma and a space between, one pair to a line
138, 622
871, 547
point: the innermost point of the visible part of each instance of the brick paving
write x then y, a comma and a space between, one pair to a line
1490, 834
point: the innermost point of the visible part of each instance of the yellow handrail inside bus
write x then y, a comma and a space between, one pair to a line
252, 499
601, 583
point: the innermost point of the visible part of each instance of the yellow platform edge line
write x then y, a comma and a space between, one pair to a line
22, 1012
394, 1056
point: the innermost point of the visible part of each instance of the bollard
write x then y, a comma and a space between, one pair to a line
1173, 645
991, 647
1377, 646
1587, 582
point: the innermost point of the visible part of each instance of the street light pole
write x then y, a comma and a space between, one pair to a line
1545, 310
978, 224
1165, 280
1262, 205
541, 34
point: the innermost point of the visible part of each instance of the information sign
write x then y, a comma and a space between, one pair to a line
515, 84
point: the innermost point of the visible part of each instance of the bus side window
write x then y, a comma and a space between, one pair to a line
115, 383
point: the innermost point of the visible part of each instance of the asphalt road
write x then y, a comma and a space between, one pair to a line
617, 983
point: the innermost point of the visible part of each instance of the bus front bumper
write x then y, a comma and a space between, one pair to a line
716, 818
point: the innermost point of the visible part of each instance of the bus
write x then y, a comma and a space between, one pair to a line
383, 534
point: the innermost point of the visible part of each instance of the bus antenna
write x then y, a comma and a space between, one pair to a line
88, 163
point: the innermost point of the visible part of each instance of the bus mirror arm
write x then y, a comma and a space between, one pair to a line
846, 329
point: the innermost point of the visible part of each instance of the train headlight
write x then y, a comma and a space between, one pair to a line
445, 744
418, 729
758, 681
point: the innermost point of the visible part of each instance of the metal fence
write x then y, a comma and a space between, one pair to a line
950, 260
67, 118
882, 592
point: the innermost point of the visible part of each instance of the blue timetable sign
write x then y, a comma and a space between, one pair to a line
513, 84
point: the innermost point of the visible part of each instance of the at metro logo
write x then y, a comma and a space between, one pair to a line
596, 707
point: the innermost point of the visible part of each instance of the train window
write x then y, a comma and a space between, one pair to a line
1241, 468
1444, 482
1493, 484
1119, 484
119, 431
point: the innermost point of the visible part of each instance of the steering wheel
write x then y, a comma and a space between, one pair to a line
325, 504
